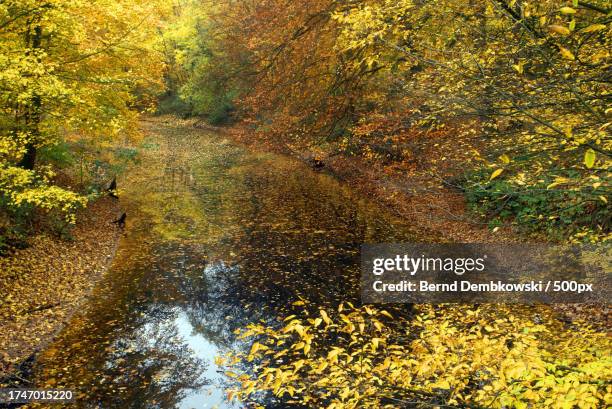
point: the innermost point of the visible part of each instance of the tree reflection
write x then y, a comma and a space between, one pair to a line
255, 234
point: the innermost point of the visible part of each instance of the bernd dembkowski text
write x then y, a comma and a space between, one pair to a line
465, 273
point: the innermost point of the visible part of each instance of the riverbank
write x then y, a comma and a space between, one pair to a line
43, 285
419, 189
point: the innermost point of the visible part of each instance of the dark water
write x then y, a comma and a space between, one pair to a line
218, 237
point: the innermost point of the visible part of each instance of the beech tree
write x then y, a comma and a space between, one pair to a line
67, 68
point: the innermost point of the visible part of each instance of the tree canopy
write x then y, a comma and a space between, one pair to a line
69, 68
527, 83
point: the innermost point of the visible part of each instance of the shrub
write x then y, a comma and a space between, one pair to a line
561, 203
446, 356
23, 191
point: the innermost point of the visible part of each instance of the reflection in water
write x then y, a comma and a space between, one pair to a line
218, 238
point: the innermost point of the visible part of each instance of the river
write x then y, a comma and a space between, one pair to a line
218, 236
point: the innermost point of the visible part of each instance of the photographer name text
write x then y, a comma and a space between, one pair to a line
492, 286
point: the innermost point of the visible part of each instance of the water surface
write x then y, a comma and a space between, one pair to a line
217, 237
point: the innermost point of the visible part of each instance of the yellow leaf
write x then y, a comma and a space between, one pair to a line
496, 173
333, 353
559, 29
298, 365
255, 347
594, 27
442, 384
325, 317
250, 389
378, 325
518, 67
589, 158
558, 181
567, 10
567, 54
322, 366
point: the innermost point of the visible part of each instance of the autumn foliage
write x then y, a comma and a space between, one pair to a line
521, 89
483, 357
68, 70
524, 83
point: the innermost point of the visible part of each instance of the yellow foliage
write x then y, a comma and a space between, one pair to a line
491, 356
69, 67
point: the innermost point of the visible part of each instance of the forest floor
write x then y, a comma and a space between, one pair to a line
41, 286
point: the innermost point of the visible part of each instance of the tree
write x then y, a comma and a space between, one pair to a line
66, 68
526, 82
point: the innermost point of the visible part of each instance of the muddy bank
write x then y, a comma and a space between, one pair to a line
43, 285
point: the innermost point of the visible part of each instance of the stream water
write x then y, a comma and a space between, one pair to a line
217, 237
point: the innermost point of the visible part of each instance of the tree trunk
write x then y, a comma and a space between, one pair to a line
29, 158
33, 111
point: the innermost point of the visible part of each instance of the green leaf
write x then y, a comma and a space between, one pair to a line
589, 158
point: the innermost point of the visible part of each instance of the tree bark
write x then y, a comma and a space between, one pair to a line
33, 111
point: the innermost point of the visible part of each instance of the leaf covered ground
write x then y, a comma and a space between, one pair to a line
42, 285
